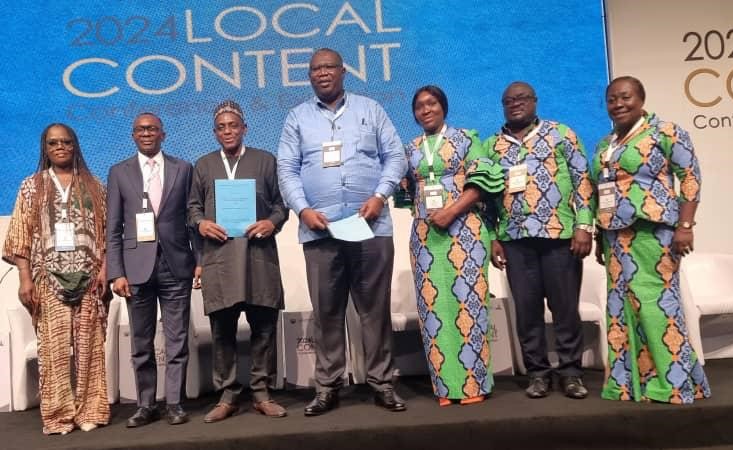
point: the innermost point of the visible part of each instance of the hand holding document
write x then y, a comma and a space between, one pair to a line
352, 229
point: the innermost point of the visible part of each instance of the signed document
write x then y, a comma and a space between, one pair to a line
236, 205
352, 229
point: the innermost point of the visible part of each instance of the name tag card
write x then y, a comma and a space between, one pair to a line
607, 197
517, 178
64, 237
145, 226
332, 153
433, 197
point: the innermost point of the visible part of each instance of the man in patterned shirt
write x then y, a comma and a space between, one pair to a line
544, 230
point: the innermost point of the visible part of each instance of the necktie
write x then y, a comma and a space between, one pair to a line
155, 191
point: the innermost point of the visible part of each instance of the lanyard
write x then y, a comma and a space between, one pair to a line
615, 144
430, 152
534, 128
231, 171
64, 193
339, 112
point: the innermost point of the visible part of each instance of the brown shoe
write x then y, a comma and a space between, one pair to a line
270, 408
221, 411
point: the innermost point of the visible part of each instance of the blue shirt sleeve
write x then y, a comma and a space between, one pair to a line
288, 165
391, 154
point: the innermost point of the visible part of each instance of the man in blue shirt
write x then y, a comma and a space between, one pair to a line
340, 155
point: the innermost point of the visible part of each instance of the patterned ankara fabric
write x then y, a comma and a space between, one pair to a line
643, 169
450, 267
650, 356
649, 351
59, 326
559, 194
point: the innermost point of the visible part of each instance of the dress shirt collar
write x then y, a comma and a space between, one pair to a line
529, 131
143, 160
322, 105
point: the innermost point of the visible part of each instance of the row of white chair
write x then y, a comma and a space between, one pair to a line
706, 287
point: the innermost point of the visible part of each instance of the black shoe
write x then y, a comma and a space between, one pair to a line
573, 387
175, 414
143, 416
324, 402
538, 387
388, 399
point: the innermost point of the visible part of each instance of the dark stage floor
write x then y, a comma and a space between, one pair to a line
508, 420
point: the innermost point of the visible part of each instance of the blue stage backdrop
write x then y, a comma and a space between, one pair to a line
95, 65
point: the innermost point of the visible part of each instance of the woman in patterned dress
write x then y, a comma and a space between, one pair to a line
646, 229
56, 239
448, 176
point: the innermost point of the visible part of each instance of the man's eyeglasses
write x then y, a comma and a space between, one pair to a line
59, 142
519, 99
142, 129
327, 67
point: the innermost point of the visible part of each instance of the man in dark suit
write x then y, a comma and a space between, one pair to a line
149, 259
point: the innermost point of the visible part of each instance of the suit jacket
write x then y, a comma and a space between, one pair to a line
126, 257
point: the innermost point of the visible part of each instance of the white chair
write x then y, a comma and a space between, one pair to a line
22, 348
128, 391
407, 350
111, 351
296, 355
297, 304
707, 298
6, 387
592, 310
24, 359
199, 375
8, 299
199, 372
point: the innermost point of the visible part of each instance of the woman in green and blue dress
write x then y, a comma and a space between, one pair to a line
646, 229
448, 177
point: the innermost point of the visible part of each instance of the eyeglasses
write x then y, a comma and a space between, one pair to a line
142, 129
327, 67
234, 126
519, 99
59, 142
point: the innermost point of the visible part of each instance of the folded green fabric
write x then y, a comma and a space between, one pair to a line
74, 285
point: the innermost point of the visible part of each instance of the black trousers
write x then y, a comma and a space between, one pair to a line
539, 268
263, 349
334, 270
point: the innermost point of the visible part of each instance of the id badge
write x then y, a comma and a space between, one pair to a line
145, 226
607, 197
64, 237
517, 178
332, 153
433, 197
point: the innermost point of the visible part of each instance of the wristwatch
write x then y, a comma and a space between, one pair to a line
584, 227
381, 197
686, 225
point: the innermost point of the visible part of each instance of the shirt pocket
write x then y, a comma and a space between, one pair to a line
367, 140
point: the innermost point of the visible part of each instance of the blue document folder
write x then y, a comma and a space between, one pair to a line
236, 205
